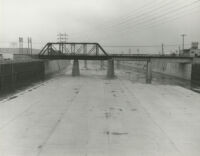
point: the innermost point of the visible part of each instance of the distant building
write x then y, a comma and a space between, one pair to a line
193, 51
7, 56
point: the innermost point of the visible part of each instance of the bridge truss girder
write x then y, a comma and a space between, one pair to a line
67, 49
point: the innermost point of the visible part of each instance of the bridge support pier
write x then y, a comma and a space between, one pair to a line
75, 68
110, 69
85, 64
118, 64
102, 64
149, 72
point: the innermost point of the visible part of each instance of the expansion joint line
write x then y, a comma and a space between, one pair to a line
145, 110
41, 147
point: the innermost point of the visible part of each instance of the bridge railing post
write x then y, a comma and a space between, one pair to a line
118, 64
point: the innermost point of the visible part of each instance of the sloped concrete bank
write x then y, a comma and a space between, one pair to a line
22, 73
182, 71
53, 66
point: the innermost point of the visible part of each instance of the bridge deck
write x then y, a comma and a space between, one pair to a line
124, 57
94, 116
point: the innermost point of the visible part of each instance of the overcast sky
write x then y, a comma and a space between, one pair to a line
110, 22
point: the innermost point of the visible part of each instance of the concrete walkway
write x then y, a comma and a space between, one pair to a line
92, 116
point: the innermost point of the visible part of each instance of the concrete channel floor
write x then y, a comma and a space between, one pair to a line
93, 116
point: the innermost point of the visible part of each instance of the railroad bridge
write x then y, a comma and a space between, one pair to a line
94, 51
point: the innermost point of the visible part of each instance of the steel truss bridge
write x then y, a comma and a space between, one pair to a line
94, 51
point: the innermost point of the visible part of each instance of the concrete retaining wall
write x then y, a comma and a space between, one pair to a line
55, 65
15, 74
195, 76
178, 70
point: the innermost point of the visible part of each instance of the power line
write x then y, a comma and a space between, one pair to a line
138, 10
161, 16
145, 14
135, 46
169, 11
170, 19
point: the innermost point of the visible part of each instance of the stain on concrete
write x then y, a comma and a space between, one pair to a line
40, 146
13, 97
77, 92
107, 115
134, 109
107, 132
119, 133
115, 133
120, 109
111, 108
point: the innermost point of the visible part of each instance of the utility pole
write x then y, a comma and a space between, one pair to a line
30, 40
28, 46
62, 37
162, 49
138, 51
29, 50
21, 45
183, 36
129, 50
179, 50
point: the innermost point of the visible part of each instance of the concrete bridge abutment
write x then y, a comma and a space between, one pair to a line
149, 72
75, 68
110, 69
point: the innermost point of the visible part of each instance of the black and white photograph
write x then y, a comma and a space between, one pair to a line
99, 77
